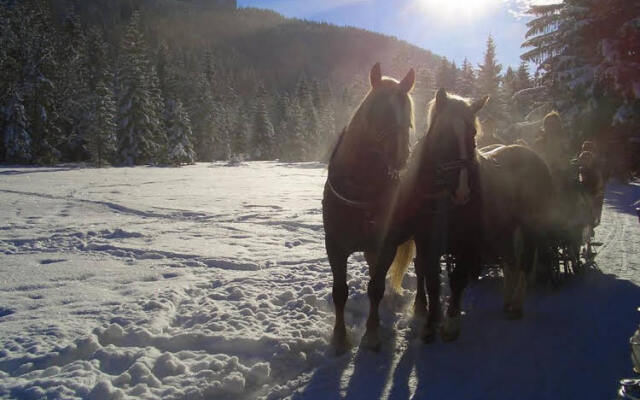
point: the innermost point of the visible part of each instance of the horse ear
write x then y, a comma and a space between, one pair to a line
478, 104
375, 75
441, 98
407, 82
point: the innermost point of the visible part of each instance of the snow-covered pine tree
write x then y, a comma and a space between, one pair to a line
292, 131
139, 124
263, 140
203, 121
309, 115
16, 139
240, 137
39, 74
180, 148
73, 91
582, 48
100, 122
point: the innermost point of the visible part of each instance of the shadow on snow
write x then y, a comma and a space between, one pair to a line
623, 197
572, 343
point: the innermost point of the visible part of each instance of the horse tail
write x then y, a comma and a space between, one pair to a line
404, 254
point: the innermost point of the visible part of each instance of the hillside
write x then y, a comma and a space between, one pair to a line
223, 81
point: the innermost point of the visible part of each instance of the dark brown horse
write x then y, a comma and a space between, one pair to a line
360, 195
474, 206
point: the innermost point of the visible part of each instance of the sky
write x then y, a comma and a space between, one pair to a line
452, 28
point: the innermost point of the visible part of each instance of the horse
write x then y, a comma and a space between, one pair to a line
360, 193
474, 206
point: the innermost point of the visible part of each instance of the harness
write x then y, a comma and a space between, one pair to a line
391, 175
337, 185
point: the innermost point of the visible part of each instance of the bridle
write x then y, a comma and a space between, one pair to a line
439, 187
392, 170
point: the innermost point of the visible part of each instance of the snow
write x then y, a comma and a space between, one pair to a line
211, 282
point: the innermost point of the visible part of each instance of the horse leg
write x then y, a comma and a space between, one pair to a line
458, 280
515, 273
420, 303
338, 260
379, 264
428, 267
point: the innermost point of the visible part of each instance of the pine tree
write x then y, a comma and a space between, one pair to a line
100, 121
263, 143
40, 71
203, 120
523, 77
467, 80
139, 126
587, 52
17, 142
73, 91
444, 77
489, 84
180, 147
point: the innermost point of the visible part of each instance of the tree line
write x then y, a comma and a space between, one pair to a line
144, 90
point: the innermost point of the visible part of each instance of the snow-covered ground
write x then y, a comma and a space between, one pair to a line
211, 282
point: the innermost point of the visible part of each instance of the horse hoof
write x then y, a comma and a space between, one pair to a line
371, 341
450, 329
420, 311
428, 334
340, 342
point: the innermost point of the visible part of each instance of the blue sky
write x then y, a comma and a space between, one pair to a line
452, 28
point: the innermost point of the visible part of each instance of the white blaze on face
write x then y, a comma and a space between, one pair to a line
463, 192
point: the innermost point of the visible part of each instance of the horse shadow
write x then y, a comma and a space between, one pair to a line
364, 377
572, 343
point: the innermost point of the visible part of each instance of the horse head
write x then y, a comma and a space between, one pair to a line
450, 143
380, 128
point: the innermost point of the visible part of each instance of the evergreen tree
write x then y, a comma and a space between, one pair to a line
523, 77
203, 120
588, 60
39, 74
73, 92
100, 121
17, 142
488, 83
444, 77
263, 143
180, 147
139, 123
467, 80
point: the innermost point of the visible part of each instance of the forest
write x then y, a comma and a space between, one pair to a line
131, 82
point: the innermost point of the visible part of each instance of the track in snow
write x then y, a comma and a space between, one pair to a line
212, 282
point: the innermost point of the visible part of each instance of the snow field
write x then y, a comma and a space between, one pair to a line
211, 282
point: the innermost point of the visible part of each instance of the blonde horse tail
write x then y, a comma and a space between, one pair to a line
404, 255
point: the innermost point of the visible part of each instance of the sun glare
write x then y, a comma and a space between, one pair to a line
453, 11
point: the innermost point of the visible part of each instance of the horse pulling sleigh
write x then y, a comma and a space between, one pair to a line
446, 198
579, 209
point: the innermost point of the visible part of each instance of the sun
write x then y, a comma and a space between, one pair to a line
452, 11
